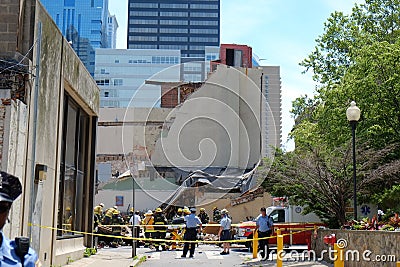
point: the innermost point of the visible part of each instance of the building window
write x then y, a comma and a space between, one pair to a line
204, 15
174, 47
151, 30
143, 13
103, 82
143, 38
204, 23
118, 82
69, 3
173, 30
196, 47
173, 22
173, 14
165, 60
144, 5
143, 21
142, 46
106, 94
204, 31
173, 38
173, 5
203, 39
116, 61
73, 169
203, 6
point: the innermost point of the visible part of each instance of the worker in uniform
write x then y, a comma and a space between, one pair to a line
192, 222
148, 223
160, 229
178, 214
98, 214
203, 216
116, 221
216, 215
264, 226
225, 231
15, 252
108, 216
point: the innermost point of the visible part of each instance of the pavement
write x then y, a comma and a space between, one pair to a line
109, 257
122, 257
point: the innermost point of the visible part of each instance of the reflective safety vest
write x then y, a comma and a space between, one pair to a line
148, 220
159, 219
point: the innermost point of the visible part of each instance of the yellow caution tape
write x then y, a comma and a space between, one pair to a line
161, 240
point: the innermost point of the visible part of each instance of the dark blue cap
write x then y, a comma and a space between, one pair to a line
10, 187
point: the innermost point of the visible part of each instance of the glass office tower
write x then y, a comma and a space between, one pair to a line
185, 25
84, 25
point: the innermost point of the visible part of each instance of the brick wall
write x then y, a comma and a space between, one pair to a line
2, 118
9, 10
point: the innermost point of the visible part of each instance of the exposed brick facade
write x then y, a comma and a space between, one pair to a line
170, 97
2, 118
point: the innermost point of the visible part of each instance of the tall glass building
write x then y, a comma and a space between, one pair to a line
84, 25
185, 25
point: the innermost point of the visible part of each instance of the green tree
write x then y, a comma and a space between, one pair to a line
357, 58
374, 21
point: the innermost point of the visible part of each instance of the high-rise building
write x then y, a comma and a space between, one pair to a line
84, 25
121, 75
186, 25
112, 26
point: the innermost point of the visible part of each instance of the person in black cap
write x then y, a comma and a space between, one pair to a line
192, 221
18, 252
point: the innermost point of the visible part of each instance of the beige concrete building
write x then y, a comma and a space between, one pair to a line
48, 118
227, 123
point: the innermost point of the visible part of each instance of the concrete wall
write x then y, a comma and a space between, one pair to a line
33, 126
218, 125
374, 245
60, 70
123, 129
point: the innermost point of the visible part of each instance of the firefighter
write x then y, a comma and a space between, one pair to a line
116, 230
216, 215
117, 218
203, 216
108, 216
98, 214
178, 214
186, 211
160, 229
148, 223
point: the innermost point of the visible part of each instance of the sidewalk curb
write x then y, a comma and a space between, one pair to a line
137, 261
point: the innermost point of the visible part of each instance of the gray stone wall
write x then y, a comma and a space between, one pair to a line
8, 26
363, 248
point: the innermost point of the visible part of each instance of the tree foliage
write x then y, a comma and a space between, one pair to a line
356, 58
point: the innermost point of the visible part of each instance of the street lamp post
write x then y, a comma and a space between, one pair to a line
353, 115
133, 221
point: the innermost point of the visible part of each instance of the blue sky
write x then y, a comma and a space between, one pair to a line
282, 32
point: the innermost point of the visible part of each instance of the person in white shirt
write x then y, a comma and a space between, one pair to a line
136, 221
